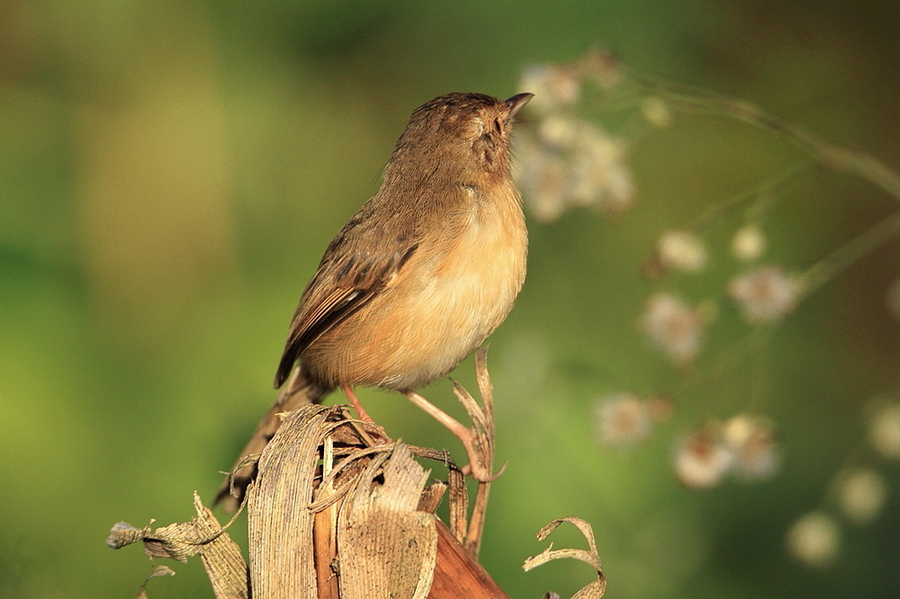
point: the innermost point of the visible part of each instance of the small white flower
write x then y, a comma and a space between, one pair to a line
701, 459
673, 326
748, 244
814, 539
765, 294
623, 420
656, 111
750, 439
599, 174
862, 495
680, 250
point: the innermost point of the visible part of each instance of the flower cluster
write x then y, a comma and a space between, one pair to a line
564, 160
743, 446
567, 160
572, 163
763, 294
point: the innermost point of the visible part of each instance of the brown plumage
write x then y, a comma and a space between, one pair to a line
423, 273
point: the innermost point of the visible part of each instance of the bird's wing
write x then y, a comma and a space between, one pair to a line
345, 282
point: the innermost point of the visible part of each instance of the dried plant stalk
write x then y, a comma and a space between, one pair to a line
282, 560
336, 512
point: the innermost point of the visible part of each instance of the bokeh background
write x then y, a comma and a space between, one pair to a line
170, 172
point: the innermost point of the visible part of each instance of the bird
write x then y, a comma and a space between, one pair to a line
419, 277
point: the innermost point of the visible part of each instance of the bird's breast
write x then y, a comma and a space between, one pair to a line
462, 292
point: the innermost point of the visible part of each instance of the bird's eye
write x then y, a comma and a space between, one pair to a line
498, 127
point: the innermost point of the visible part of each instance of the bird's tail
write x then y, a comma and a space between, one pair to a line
299, 390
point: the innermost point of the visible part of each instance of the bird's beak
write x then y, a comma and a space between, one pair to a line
516, 103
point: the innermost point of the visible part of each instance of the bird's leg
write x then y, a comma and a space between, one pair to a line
354, 401
480, 471
372, 433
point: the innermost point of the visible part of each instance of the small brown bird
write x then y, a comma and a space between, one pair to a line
421, 275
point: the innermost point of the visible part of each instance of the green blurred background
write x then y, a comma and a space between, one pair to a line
170, 173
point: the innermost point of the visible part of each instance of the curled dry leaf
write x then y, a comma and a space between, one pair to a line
596, 588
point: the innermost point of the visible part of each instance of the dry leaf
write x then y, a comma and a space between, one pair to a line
595, 589
202, 536
387, 548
